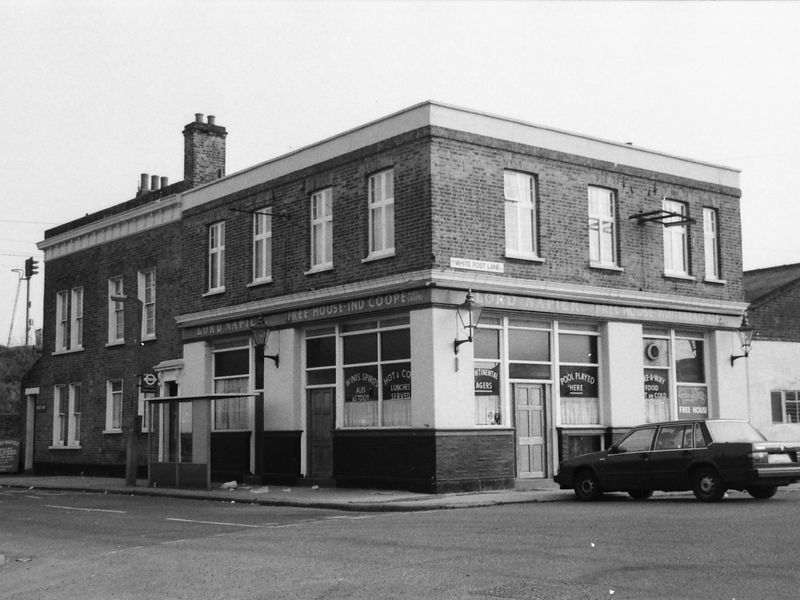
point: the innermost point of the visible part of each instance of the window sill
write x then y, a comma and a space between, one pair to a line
378, 255
115, 343
67, 351
524, 256
715, 281
214, 292
257, 282
112, 432
319, 269
683, 276
150, 338
606, 267
60, 447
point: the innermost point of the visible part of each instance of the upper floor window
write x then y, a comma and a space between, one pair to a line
602, 227
262, 246
520, 214
322, 229
116, 311
676, 241
216, 257
381, 213
711, 243
69, 320
147, 294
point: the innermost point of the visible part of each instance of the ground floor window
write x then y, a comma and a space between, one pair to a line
371, 360
786, 406
114, 405
376, 360
578, 374
67, 415
522, 349
231, 372
675, 383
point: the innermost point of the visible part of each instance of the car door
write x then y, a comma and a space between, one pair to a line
626, 465
670, 458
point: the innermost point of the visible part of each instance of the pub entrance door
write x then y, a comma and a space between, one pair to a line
530, 411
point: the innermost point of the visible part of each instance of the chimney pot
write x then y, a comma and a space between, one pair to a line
143, 186
198, 117
154, 182
211, 119
164, 182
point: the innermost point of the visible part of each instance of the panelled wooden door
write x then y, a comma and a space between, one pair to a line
321, 421
531, 417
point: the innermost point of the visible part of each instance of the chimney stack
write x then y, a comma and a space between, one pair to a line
203, 151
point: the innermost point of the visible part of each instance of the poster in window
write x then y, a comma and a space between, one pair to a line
397, 381
656, 384
361, 384
487, 381
578, 382
692, 403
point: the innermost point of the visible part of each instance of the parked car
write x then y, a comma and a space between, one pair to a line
707, 457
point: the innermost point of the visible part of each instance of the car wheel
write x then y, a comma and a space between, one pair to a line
762, 492
586, 486
707, 485
640, 494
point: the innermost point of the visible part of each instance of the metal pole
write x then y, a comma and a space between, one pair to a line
27, 308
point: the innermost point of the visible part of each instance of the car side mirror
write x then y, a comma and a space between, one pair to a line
616, 450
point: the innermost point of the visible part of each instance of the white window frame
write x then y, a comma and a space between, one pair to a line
62, 321
788, 417
381, 214
321, 230
262, 246
244, 380
711, 244
676, 242
147, 295
216, 257
519, 193
602, 227
114, 398
76, 319
66, 416
116, 312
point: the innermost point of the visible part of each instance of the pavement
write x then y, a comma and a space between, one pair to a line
300, 496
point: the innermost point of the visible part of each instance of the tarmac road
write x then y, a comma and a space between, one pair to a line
96, 546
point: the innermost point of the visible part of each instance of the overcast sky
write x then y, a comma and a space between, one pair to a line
95, 93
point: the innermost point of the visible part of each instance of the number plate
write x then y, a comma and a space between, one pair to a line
779, 458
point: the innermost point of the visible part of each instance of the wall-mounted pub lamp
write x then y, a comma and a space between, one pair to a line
260, 332
469, 313
746, 333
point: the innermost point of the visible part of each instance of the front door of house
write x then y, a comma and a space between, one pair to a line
531, 425
321, 421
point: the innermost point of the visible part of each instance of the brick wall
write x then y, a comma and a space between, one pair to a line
776, 317
449, 203
468, 217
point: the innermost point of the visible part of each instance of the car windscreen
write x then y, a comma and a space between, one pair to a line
733, 431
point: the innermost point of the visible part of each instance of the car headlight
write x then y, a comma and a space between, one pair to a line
759, 456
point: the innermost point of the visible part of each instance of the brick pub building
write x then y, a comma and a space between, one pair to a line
609, 278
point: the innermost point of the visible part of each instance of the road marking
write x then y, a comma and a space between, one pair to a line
106, 510
219, 523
